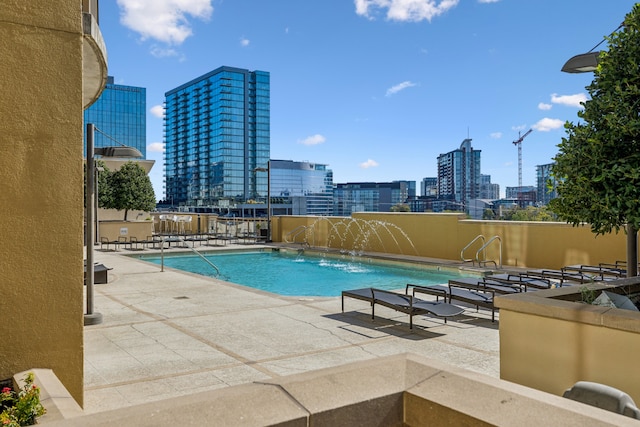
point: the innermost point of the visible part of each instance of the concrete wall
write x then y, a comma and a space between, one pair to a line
402, 390
41, 202
524, 244
549, 343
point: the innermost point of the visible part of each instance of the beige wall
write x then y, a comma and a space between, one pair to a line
524, 244
549, 343
41, 202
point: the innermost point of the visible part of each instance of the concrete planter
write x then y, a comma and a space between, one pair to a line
549, 340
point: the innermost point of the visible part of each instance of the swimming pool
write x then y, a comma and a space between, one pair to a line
291, 274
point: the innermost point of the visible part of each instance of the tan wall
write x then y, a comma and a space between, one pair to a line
549, 343
524, 244
41, 202
112, 230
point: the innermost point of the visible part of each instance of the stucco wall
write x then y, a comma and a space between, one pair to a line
549, 344
41, 202
524, 244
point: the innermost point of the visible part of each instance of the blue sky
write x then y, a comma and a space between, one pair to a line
376, 89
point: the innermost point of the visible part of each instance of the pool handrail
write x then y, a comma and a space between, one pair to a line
192, 248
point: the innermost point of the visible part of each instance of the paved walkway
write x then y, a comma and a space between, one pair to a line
171, 333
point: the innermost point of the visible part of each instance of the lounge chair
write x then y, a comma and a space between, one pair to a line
604, 272
564, 277
528, 283
473, 294
487, 283
404, 303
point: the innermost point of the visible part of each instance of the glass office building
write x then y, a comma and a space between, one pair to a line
119, 115
216, 133
370, 196
307, 187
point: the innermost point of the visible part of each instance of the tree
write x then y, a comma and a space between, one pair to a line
130, 189
102, 183
598, 165
400, 207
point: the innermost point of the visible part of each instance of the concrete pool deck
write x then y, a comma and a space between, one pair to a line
167, 334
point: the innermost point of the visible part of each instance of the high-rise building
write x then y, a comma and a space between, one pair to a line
119, 115
459, 175
429, 186
544, 178
488, 190
369, 196
307, 187
216, 135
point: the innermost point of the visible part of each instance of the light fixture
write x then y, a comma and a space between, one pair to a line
583, 63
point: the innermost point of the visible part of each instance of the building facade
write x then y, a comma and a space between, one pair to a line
488, 190
120, 116
459, 175
307, 187
429, 186
217, 134
369, 196
546, 184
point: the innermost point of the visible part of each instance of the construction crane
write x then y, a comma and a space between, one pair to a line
518, 143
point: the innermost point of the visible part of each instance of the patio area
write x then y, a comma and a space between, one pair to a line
168, 334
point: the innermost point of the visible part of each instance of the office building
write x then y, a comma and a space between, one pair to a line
459, 175
216, 135
488, 190
369, 196
525, 195
429, 186
307, 187
546, 184
119, 115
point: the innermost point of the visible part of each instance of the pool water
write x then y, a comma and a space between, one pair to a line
291, 274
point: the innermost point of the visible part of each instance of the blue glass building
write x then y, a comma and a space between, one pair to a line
459, 176
216, 133
370, 196
306, 187
119, 115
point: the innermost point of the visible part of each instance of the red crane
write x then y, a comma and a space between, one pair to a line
518, 142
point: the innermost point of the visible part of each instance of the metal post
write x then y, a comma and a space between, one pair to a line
90, 318
269, 201
632, 251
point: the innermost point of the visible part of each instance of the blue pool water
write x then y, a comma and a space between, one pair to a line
290, 274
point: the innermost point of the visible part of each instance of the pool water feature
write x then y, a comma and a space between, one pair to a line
292, 274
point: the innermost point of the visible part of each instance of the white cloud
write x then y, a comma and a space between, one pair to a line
161, 52
155, 147
488, 1
163, 20
569, 100
547, 124
313, 140
368, 164
244, 42
405, 10
519, 128
544, 106
496, 135
397, 88
157, 110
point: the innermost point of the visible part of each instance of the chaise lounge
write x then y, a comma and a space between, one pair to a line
404, 303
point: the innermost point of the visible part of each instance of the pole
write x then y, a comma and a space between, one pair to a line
632, 251
90, 318
269, 201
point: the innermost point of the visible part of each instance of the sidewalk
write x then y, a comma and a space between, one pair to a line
170, 333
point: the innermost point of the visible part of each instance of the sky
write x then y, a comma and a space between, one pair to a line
375, 89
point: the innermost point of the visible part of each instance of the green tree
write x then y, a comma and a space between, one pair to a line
530, 213
131, 189
102, 183
598, 164
400, 207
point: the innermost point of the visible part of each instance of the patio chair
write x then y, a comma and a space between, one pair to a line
401, 302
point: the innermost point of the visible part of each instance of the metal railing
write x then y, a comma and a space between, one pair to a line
482, 249
180, 239
478, 237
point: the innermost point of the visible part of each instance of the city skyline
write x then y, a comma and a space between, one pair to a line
372, 89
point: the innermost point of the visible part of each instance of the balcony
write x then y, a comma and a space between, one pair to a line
94, 54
